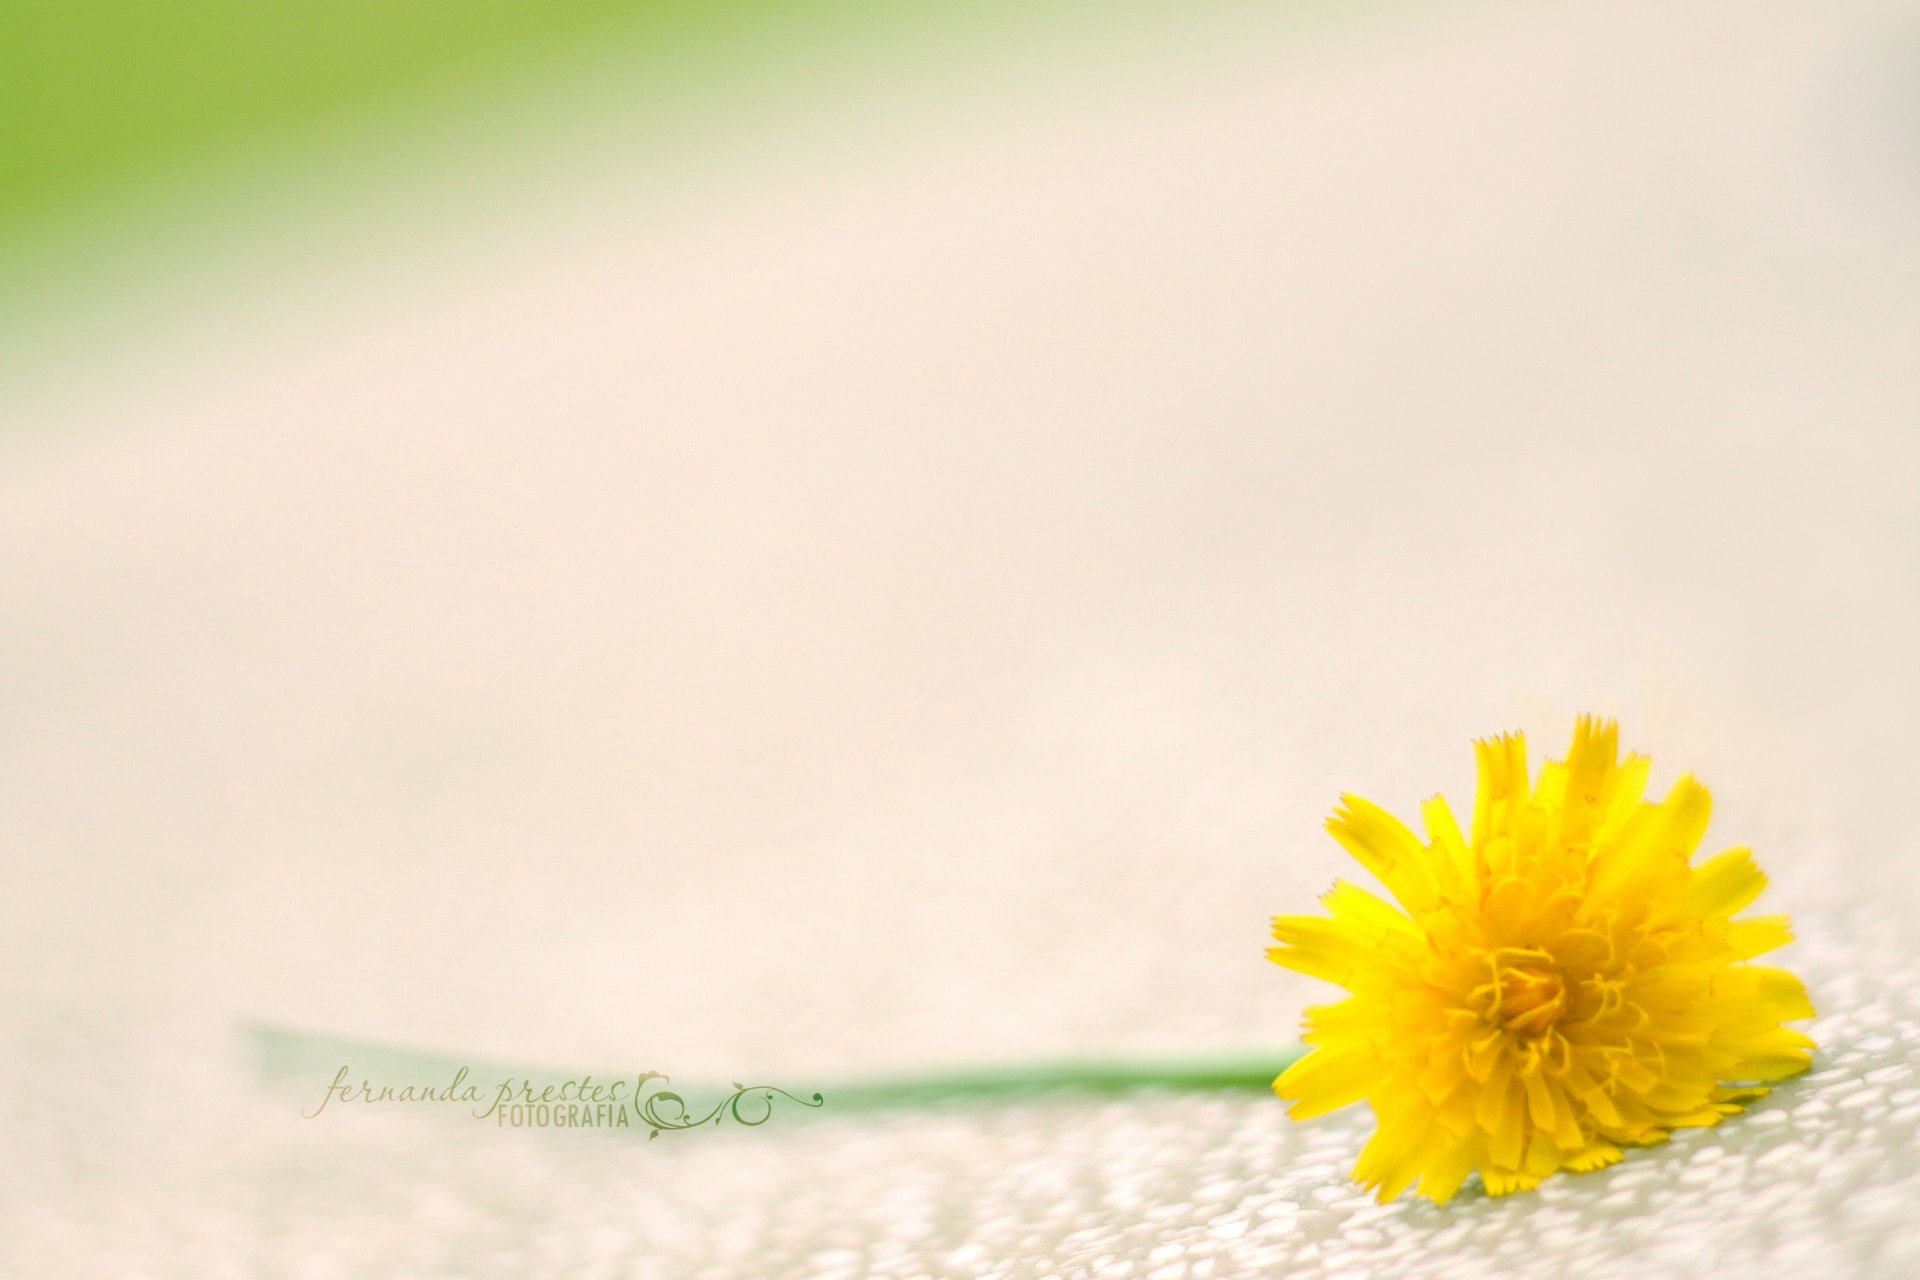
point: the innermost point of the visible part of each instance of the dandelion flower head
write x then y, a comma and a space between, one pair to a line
1562, 983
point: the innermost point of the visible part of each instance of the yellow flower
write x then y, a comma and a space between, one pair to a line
1565, 983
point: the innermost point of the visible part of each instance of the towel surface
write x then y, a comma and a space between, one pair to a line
901, 604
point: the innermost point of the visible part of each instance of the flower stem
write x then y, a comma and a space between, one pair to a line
283, 1053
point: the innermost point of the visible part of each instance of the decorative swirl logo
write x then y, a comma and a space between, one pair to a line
665, 1109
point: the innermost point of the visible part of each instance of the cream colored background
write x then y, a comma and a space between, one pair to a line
909, 592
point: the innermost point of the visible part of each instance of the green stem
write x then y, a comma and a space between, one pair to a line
284, 1054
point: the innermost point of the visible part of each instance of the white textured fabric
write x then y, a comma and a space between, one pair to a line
912, 601
209, 1175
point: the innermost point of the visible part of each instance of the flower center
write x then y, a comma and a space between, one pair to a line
1529, 995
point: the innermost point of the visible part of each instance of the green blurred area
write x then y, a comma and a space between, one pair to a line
100, 97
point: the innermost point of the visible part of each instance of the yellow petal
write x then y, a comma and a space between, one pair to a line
1721, 886
1757, 935
1384, 846
1452, 859
1502, 789
1447, 1170
1326, 1080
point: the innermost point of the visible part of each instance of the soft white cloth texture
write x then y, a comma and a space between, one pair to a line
910, 595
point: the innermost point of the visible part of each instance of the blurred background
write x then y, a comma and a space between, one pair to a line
797, 539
